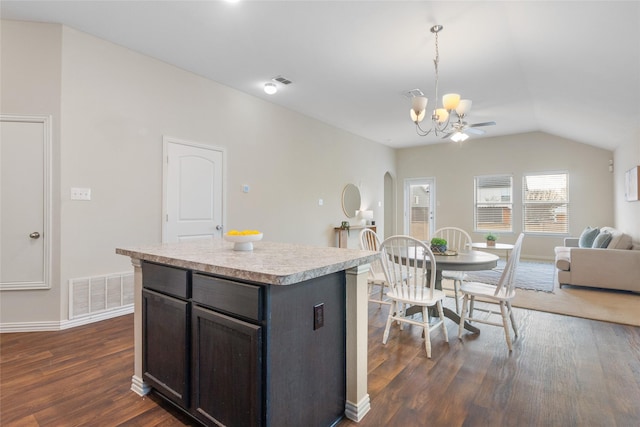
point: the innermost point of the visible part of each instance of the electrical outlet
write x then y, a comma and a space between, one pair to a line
318, 316
80, 193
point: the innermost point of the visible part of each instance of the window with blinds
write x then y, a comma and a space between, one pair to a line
545, 200
493, 203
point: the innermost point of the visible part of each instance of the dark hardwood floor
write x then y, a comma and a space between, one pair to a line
563, 371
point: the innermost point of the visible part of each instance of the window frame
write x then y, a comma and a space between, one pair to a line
564, 203
510, 203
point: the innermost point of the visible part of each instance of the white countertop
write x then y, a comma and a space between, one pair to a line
269, 262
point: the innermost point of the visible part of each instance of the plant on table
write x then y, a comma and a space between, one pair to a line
438, 245
491, 239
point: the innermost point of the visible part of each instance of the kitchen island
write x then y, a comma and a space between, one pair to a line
273, 336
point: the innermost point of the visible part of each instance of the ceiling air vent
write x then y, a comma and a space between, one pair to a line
283, 80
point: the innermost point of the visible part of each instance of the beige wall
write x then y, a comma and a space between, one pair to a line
455, 165
30, 72
627, 214
112, 107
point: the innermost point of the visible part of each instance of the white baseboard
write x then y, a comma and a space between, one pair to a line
139, 387
357, 411
64, 324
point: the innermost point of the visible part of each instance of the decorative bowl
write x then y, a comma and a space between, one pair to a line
243, 242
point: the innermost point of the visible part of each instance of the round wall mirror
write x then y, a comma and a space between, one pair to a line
350, 200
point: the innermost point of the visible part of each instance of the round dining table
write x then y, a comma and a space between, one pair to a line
462, 261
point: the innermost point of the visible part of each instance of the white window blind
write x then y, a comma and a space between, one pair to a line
493, 203
546, 203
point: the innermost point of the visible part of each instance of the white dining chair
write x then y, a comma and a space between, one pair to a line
370, 241
405, 262
500, 294
460, 241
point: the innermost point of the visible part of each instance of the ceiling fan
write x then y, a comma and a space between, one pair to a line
459, 130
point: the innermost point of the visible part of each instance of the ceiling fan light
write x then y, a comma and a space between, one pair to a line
419, 103
450, 101
417, 117
459, 137
418, 107
463, 107
442, 115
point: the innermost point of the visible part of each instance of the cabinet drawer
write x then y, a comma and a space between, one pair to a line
165, 279
232, 297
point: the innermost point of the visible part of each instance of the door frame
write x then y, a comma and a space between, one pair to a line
166, 140
47, 191
432, 202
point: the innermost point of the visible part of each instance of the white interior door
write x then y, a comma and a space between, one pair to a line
24, 202
193, 191
419, 201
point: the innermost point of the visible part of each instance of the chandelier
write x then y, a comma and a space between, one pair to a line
441, 123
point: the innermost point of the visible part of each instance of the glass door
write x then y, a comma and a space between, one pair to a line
419, 202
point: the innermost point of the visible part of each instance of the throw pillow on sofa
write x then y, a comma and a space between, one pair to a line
602, 240
587, 237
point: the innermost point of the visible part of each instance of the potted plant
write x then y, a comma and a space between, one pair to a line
491, 239
345, 226
438, 245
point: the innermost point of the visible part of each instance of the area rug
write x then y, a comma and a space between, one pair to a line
537, 276
589, 303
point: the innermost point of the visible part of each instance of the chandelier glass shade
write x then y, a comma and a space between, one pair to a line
441, 118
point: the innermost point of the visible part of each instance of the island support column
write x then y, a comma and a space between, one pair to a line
137, 384
358, 402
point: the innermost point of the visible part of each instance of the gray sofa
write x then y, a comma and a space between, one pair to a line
615, 267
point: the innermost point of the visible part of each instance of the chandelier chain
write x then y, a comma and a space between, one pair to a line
436, 60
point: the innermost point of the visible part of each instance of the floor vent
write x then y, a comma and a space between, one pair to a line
89, 296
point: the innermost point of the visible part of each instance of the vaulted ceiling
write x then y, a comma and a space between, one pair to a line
568, 68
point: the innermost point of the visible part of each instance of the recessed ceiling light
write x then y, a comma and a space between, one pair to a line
270, 88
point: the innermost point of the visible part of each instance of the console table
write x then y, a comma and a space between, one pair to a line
343, 234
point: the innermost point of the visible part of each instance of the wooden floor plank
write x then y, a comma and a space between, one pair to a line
563, 371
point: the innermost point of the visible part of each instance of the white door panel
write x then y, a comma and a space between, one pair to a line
24, 207
419, 201
193, 191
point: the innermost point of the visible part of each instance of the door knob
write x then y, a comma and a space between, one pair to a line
218, 227
34, 235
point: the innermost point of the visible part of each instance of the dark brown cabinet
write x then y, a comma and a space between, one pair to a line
245, 354
227, 369
166, 346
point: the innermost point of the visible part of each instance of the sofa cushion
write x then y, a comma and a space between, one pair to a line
619, 240
602, 240
587, 237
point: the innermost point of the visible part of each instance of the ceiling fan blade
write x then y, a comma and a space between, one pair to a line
474, 131
475, 125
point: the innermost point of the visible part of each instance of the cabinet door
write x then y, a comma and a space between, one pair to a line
227, 369
165, 345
